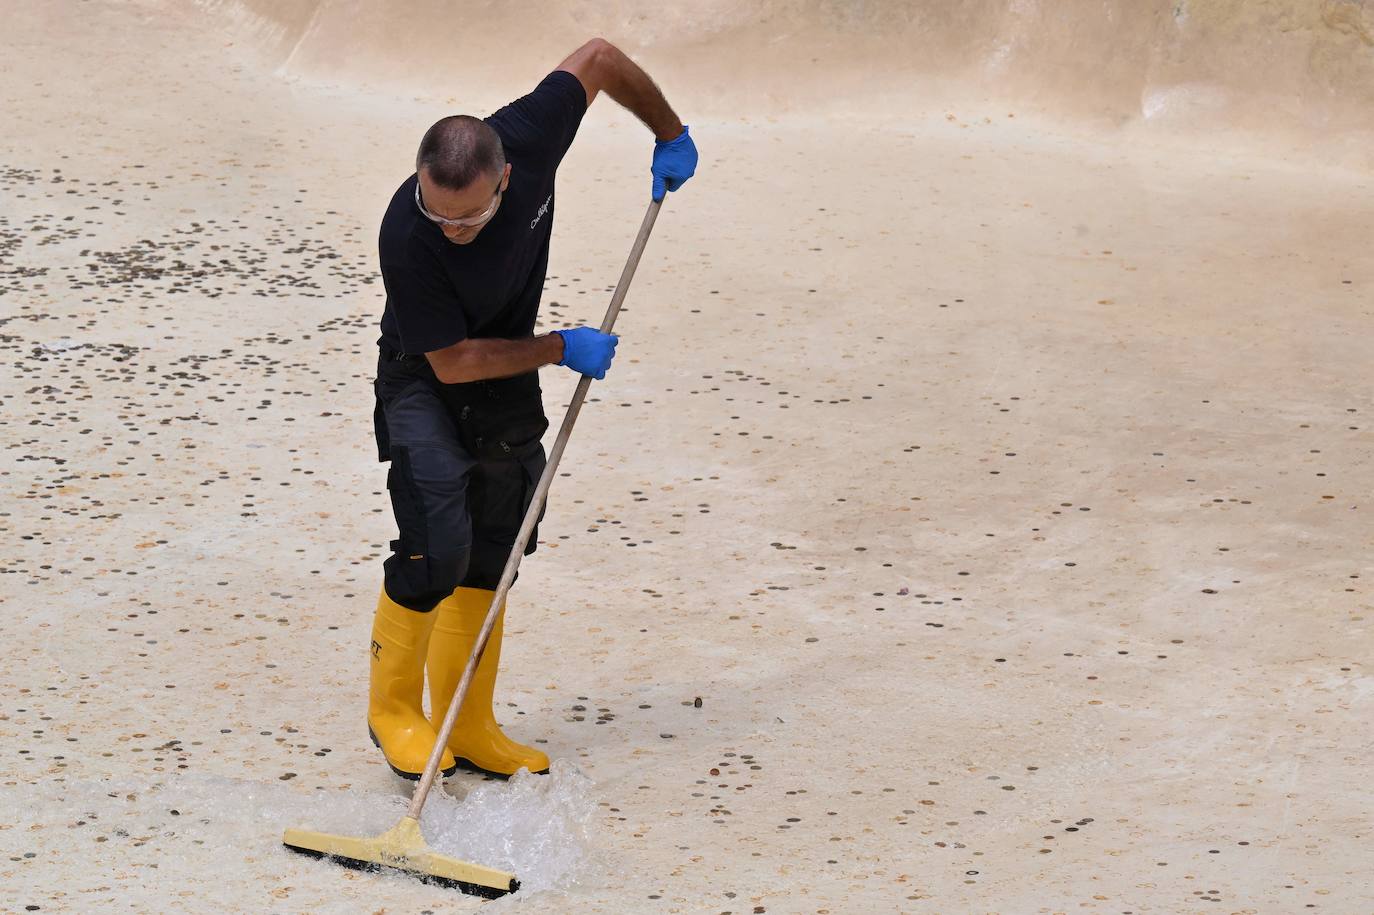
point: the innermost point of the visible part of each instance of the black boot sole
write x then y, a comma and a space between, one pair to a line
468, 765
410, 776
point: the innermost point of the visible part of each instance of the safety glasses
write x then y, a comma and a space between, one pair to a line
466, 222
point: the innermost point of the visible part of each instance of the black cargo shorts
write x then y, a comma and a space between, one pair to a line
465, 461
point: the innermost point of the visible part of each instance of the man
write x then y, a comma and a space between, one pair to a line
464, 250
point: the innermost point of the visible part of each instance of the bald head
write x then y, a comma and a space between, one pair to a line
458, 150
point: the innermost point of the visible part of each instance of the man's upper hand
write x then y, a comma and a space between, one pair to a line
674, 162
602, 67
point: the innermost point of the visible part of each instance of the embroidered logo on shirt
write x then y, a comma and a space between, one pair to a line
542, 210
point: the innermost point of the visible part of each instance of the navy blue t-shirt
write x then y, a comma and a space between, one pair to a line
438, 293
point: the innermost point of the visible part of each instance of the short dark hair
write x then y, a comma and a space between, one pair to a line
458, 150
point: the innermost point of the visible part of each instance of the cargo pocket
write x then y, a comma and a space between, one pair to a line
498, 420
430, 555
408, 578
408, 506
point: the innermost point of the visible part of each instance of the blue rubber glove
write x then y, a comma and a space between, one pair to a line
674, 162
588, 351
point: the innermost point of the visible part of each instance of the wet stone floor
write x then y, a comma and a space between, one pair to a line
1014, 561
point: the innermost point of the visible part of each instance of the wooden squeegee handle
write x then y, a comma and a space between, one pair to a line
541, 493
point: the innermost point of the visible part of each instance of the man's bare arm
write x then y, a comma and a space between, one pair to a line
479, 359
600, 65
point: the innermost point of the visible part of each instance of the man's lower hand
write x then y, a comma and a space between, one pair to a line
588, 351
674, 162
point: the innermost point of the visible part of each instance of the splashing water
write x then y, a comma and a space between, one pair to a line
535, 826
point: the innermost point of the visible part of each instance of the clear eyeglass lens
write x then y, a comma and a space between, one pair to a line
460, 223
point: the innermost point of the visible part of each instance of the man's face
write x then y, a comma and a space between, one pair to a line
479, 200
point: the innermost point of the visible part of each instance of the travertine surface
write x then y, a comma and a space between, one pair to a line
1002, 490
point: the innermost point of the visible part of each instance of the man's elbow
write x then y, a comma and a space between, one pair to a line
603, 59
598, 46
595, 64
450, 367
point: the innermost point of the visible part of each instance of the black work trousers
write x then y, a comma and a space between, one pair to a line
465, 460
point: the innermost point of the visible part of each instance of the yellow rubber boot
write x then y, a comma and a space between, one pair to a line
476, 739
395, 718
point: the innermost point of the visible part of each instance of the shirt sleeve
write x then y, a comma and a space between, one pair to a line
546, 120
428, 314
